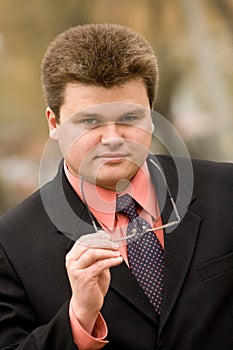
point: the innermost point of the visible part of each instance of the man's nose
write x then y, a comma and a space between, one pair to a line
112, 135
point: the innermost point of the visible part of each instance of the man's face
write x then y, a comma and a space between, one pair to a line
104, 134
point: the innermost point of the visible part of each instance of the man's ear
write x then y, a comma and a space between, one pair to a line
152, 126
52, 123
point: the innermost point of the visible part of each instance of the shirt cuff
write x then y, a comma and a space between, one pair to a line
82, 339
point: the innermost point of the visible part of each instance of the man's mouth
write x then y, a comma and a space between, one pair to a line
113, 157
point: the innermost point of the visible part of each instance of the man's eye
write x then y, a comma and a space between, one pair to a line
128, 118
90, 121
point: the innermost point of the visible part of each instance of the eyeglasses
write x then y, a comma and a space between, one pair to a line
135, 233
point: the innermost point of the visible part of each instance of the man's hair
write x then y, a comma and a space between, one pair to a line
103, 55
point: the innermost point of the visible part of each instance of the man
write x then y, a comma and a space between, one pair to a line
100, 83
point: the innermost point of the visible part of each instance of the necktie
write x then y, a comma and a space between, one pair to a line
145, 254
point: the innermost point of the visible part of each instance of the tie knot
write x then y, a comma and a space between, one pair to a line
126, 205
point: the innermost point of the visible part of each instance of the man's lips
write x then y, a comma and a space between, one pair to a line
112, 156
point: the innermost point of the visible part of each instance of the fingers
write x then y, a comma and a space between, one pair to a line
101, 258
95, 250
87, 265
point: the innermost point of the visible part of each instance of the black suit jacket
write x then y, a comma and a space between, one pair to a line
198, 294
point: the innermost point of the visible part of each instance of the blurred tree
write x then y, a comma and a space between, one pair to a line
226, 10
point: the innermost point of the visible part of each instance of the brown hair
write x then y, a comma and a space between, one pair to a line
100, 55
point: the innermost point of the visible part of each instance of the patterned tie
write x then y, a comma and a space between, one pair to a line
145, 254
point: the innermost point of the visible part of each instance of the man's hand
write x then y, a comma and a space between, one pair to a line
87, 265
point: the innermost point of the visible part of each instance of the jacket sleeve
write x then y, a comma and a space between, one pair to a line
19, 328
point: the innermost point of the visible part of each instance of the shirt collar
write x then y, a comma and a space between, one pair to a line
102, 202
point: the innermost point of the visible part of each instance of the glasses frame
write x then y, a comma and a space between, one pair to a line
138, 234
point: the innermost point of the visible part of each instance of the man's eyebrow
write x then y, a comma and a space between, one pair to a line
133, 111
94, 115
81, 115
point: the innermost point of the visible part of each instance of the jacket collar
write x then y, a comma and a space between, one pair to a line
64, 208
180, 242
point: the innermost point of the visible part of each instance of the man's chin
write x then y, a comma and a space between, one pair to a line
115, 182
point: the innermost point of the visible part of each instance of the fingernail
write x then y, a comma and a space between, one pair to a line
118, 254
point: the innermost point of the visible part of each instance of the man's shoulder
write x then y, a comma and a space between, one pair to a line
21, 214
25, 213
219, 173
198, 165
208, 175
212, 165
25, 225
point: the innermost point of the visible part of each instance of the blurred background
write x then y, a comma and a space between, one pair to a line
192, 39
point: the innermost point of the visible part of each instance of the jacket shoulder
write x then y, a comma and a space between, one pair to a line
219, 174
199, 165
24, 217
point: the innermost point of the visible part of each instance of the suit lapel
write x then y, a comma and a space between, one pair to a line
64, 208
179, 249
180, 242
125, 284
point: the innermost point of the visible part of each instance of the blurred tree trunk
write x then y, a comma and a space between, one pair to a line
209, 72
